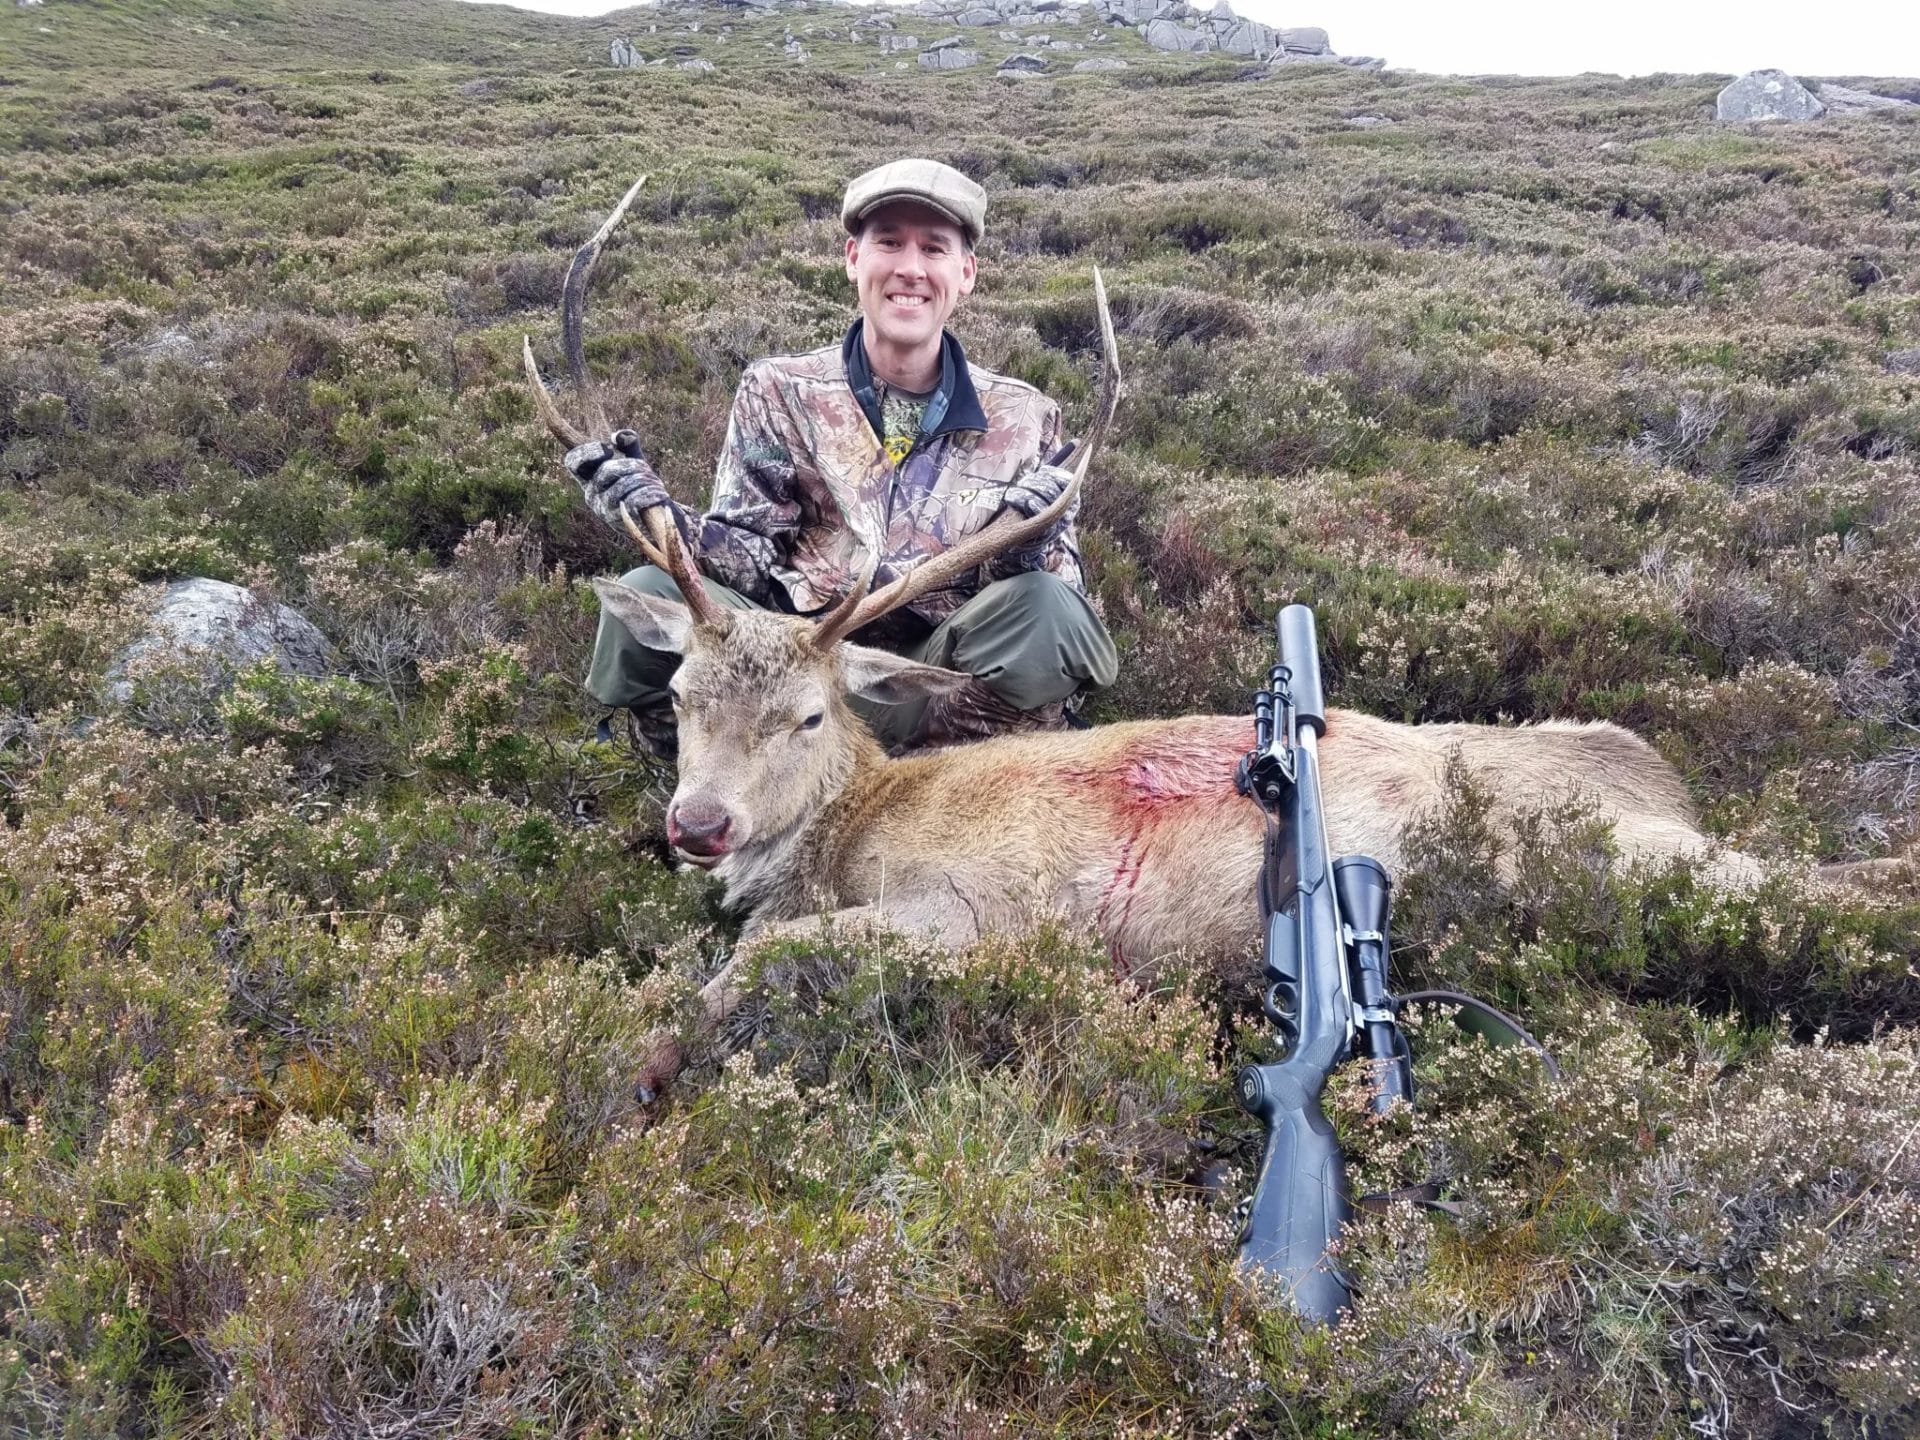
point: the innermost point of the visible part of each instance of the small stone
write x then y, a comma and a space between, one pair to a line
1367, 122
1903, 362
1022, 65
698, 67
1099, 66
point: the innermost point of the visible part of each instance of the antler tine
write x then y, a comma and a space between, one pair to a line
557, 424
1008, 531
573, 304
839, 622
665, 550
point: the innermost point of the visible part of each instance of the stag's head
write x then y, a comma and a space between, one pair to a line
767, 737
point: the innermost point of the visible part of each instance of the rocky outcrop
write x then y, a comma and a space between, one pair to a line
950, 57
1020, 67
1767, 95
217, 628
1840, 100
624, 56
894, 44
1098, 66
1165, 35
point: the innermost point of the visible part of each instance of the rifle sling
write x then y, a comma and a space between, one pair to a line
1479, 1018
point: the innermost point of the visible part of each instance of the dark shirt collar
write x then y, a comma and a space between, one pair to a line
955, 404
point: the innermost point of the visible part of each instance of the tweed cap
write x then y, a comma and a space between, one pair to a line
924, 182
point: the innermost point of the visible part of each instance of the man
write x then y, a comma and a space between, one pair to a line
889, 444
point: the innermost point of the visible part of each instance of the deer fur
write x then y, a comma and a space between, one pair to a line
1135, 830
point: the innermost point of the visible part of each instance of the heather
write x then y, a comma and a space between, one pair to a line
320, 999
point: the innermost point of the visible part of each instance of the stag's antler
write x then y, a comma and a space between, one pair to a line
663, 547
1005, 533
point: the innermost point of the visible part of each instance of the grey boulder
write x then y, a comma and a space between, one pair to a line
1022, 65
889, 44
1305, 40
214, 626
1100, 66
950, 58
624, 56
1840, 100
1165, 35
1767, 95
979, 15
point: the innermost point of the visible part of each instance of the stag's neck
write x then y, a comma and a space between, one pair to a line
799, 872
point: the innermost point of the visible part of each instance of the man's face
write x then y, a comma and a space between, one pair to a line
909, 266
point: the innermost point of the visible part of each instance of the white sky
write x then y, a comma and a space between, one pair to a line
1566, 37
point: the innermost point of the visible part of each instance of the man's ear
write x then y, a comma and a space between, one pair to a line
893, 679
657, 623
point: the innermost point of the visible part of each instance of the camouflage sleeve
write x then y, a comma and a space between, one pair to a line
1059, 552
749, 526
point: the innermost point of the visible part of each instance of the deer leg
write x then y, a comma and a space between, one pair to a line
949, 922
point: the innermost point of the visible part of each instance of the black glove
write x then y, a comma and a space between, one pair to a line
616, 475
1028, 496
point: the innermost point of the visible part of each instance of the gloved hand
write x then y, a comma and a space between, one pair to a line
1028, 496
616, 475
1034, 491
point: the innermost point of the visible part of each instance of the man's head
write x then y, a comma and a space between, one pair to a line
911, 229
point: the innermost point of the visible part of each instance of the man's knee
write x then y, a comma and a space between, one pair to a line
651, 580
1035, 635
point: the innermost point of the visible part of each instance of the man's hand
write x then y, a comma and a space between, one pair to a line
1034, 491
616, 475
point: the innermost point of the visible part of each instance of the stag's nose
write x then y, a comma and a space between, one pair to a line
699, 828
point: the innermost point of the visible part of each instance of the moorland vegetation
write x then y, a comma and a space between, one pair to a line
320, 998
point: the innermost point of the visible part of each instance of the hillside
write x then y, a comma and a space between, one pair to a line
320, 999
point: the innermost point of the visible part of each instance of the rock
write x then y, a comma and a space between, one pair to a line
948, 59
624, 56
1367, 122
1245, 37
1010, 36
1023, 65
893, 44
1097, 67
217, 627
978, 15
1065, 45
481, 89
1767, 95
1165, 35
1363, 62
1840, 100
1903, 362
947, 44
699, 67
1305, 39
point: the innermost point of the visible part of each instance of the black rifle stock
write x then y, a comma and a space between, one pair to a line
1326, 970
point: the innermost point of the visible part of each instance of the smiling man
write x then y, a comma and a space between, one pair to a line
889, 443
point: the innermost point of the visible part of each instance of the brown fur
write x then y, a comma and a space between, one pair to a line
1135, 829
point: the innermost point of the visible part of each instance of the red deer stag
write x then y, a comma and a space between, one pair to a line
1135, 829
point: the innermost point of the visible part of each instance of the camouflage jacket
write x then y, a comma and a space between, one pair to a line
805, 490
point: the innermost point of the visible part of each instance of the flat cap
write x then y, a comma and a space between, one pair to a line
924, 182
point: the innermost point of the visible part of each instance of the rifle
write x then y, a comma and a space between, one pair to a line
1326, 972
1326, 953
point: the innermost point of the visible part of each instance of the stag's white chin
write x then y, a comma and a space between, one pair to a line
704, 862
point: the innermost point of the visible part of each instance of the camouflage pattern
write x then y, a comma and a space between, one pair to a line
805, 490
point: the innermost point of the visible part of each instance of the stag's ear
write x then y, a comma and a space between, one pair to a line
893, 679
656, 622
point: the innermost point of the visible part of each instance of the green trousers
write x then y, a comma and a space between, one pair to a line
1033, 640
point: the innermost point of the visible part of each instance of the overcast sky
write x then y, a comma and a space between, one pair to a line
1626, 37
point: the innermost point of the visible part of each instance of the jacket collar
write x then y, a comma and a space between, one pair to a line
955, 404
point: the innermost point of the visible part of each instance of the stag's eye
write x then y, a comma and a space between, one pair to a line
812, 722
